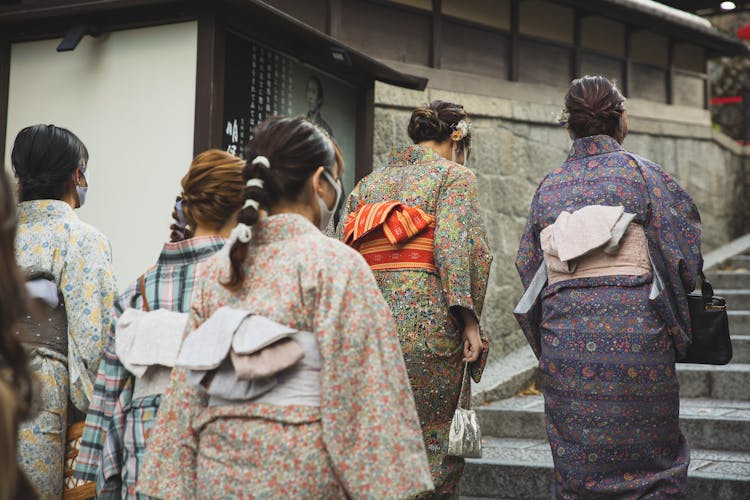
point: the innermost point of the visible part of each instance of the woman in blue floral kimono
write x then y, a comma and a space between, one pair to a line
121, 415
606, 339
434, 277
51, 165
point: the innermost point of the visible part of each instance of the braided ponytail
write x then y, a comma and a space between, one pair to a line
283, 154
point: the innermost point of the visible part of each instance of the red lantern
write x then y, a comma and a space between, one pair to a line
744, 32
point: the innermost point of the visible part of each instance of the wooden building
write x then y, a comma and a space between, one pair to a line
146, 84
656, 52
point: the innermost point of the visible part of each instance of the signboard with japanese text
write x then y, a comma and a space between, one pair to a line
260, 82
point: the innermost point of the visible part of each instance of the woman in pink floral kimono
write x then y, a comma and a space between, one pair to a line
341, 422
433, 271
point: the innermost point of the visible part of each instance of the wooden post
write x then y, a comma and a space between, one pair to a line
627, 65
365, 131
575, 61
513, 46
745, 118
333, 19
436, 48
209, 83
670, 71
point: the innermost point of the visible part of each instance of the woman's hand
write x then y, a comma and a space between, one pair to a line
472, 342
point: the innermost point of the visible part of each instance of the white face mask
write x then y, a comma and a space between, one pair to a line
327, 213
82, 190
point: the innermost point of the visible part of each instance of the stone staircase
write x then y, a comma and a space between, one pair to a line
714, 416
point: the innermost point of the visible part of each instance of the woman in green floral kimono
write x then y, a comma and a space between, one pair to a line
434, 276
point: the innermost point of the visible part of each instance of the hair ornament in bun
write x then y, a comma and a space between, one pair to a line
262, 161
460, 130
255, 183
251, 203
241, 233
562, 117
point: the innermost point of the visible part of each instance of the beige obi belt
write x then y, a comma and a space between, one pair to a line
596, 240
239, 357
147, 344
392, 236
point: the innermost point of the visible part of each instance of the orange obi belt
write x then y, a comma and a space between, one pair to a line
392, 236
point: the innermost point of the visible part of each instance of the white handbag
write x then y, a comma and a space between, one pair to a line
465, 437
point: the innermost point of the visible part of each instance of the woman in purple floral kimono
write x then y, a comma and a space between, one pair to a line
605, 336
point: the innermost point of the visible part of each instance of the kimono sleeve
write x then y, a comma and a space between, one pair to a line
170, 465
109, 387
370, 424
530, 255
528, 261
88, 286
462, 254
674, 238
352, 202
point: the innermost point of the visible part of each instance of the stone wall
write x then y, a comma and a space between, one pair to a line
515, 143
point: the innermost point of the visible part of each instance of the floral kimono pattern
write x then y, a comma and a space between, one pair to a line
607, 352
363, 441
52, 238
421, 302
117, 426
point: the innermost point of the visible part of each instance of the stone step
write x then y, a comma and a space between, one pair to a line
707, 423
739, 321
737, 300
740, 262
729, 279
730, 382
522, 469
740, 349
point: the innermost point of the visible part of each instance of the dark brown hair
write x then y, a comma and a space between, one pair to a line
12, 295
594, 106
436, 122
212, 190
44, 158
294, 148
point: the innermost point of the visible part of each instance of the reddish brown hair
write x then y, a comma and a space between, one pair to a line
212, 190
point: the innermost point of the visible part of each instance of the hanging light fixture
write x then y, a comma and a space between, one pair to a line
728, 6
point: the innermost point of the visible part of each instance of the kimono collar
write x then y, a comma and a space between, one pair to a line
592, 146
33, 211
412, 155
282, 227
190, 250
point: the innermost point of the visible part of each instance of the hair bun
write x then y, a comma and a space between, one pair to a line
436, 122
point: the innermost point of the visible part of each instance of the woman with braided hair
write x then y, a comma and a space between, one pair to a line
338, 423
123, 409
606, 331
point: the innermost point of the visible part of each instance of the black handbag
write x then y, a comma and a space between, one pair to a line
711, 343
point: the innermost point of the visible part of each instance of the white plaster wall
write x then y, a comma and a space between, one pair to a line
130, 96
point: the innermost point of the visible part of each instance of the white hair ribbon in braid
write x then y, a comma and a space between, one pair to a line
241, 232
262, 161
255, 183
251, 203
